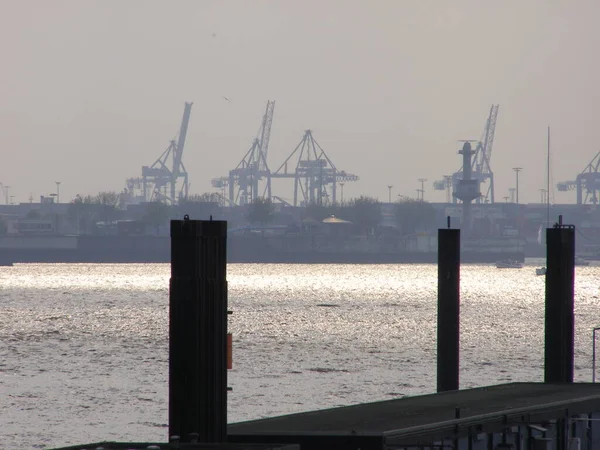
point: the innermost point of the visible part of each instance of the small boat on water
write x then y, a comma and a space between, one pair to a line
540, 271
509, 264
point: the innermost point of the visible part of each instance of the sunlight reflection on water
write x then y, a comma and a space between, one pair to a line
85, 345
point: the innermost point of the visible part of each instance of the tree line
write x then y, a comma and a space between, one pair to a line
88, 213
364, 212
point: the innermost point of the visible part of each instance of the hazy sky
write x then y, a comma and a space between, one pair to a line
92, 90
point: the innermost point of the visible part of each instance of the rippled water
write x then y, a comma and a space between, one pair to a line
83, 348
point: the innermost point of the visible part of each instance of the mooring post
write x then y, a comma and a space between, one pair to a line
448, 335
560, 290
198, 331
594, 331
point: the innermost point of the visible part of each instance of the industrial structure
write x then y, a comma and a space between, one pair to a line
162, 183
315, 175
480, 168
587, 182
467, 188
251, 178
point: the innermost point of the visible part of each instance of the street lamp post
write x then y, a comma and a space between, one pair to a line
57, 191
54, 196
517, 170
422, 190
390, 193
342, 199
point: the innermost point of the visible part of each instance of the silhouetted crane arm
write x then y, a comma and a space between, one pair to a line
181, 140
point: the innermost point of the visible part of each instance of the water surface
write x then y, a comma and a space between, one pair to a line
84, 350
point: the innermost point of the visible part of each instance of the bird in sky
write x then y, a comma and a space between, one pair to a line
226, 99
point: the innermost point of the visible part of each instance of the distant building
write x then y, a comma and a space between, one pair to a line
29, 227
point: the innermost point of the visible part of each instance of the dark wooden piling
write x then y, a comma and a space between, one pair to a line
560, 290
198, 331
448, 310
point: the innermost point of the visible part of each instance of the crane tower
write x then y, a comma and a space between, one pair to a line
244, 182
467, 188
159, 181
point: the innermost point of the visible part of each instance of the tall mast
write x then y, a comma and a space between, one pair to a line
548, 182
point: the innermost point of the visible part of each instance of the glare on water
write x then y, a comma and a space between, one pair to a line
84, 354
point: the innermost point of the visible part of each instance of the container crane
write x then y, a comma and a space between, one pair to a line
243, 181
315, 176
159, 182
588, 182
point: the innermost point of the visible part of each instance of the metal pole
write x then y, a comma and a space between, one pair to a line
517, 170
57, 191
559, 316
198, 331
422, 181
594, 354
548, 181
448, 335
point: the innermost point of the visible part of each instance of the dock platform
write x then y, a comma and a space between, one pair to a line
425, 419
165, 446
